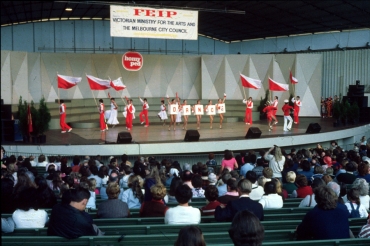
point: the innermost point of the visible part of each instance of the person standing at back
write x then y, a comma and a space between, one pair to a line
276, 161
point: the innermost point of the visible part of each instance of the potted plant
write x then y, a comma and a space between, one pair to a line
44, 119
337, 113
354, 113
35, 122
262, 106
22, 116
345, 109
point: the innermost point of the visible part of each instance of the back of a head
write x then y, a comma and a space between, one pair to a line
301, 180
196, 181
190, 236
176, 181
186, 176
251, 176
351, 167
113, 190
270, 188
246, 229
267, 172
353, 195
78, 194
158, 191
232, 184
316, 183
290, 177
362, 185
211, 193
306, 166
226, 177
234, 174
183, 194
27, 199
245, 186
325, 198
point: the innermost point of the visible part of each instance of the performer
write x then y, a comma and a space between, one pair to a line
329, 107
185, 116
248, 111
323, 108
269, 110
275, 104
63, 115
199, 117
163, 114
144, 112
286, 109
172, 114
179, 112
111, 115
101, 112
297, 105
130, 114
220, 101
207, 112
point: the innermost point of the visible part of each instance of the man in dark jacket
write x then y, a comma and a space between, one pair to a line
69, 218
227, 213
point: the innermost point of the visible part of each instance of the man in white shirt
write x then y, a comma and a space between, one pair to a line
183, 213
257, 191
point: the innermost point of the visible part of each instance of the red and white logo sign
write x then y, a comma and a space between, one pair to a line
132, 61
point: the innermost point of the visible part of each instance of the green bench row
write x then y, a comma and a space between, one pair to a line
165, 229
277, 237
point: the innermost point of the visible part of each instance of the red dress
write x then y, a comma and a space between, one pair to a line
102, 121
270, 112
129, 117
63, 124
297, 105
144, 113
248, 112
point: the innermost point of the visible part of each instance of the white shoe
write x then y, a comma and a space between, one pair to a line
70, 129
269, 129
102, 130
276, 122
286, 130
146, 126
289, 129
142, 122
63, 131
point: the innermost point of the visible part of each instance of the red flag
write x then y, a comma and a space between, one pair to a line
293, 80
66, 82
117, 84
275, 86
98, 84
249, 82
29, 120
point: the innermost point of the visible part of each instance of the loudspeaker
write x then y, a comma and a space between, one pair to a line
253, 132
313, 128
7, 130
191, 136
124, 137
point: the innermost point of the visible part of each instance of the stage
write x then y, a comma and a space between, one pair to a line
157, 139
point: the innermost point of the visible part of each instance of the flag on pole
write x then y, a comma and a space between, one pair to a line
98, 84
275, 86
66, 82
249, 82
293, 80
29, 120
117, 84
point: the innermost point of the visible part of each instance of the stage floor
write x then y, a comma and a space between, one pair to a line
157, 133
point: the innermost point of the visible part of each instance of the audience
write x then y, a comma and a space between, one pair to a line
309, 200
155, 207
190, 236
232, 192
271, 199
355, 208
303, 189
133, 196
113, 207
211, 194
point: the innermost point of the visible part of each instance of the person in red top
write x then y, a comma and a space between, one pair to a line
297, 106
286, 109
211, 195
269, 110
130, 110
275, 104
155, 207
144, 112
101, 112
248, 111
63, 115
303, 188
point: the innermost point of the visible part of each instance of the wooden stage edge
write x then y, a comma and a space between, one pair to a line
157, 139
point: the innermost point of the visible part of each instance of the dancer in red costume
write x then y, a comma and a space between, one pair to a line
275, 104
144, 112
269, 110
101, 112
297, 106
130, 110
248, 111
63, 115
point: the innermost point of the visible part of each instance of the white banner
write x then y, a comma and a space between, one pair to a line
198, 109
173, 109
142, 22
210, 110
221, 109
186, 110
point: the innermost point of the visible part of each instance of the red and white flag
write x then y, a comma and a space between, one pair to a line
66, 82
250, 83
98, 84
29, 120
293, 80
117, 84
275, 86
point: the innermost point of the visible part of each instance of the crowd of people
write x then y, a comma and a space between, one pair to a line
333, 181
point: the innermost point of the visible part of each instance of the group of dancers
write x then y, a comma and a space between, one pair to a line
177, 110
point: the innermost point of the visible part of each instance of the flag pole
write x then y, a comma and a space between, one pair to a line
58, 89
245, 97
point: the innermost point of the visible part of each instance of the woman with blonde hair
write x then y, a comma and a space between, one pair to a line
113, 207
276, 161
155, 207
290, 185
151, 179
133, 196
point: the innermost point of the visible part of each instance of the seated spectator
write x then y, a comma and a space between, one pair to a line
45, 196
69, 219
232, 192
133, 196
42, 161
173, 173
290, 185
257, 190
127, 173
85, 183
190, 236
365, 230
307, 170
113, 207
28, 214
7, 225
151, 179
196, 182
93, 186
318, 172
211, 160
113, 177
267, 173
228, 162
176, 181
248, 165
211, 194
279, 188
271, 199
259, 167
183, 213
7, 184
331, 184
204, 175
363, 187
234, 174
95, 175
246, 229
222, 189
303, 189
76, 164
155, 207
309, 200
330, 172
353, 203
364, 171
186, 178
261, 181
348, 177
327, 220
228, 213
212, 178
